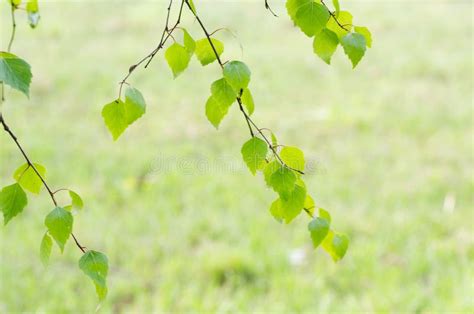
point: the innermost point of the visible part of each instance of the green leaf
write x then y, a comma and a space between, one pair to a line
96, 266
319, 229
59, 223
12, 201
247, 100
28, 179
336, 6
76, 200
204, 51
309, 204
33, 12
223, 93
336, 245
276, 210
215, 112
15, 3
324, 214
118, 115
274, 140
254, 152
283, 182
345, 19
189, 42
325, 44
178, 58
269, 169
293, 205
191, 4
237, 75
364, 31
293, 157
45, 249
292, 7
311, 17
354, 47
15, 72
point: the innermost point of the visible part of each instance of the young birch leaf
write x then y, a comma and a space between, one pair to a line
311, 17
283, 182
276, 210
324, 214
45, 249
237, 75
345, 19
12, 201
135, 105
223, 93
293, 205
293, 157
189, 42
292, 7
204, 51
114, 118
309, 204
318, 229
33, 12
364, 31
191, 4
325, 44
270, 169
354, 47
178, 58
247, 100
336, 6
215, 112
254, 152
96, 266
118, 115
335, 245
76, 200
28, 179
15, 72
274, 140
59, 223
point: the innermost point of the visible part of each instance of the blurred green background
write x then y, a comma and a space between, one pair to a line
185, 225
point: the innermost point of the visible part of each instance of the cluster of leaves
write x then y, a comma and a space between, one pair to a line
31, 177
329, 29
282, 167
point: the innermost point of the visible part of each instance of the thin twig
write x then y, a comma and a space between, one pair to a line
334, 17
12, 36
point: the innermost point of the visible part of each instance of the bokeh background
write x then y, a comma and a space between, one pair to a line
185, 225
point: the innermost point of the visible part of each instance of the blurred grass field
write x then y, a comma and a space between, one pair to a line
185, 226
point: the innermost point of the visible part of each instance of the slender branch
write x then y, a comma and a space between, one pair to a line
165, 35
267, 6
249, 121
12, 36
30, 164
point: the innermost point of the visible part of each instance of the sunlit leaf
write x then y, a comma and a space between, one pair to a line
204, 51
325, 44
237, 75
28, 179
59, 223
15, 72
354, 46
12, 201
96, 266
254, 152
318, 228
178, 58
45, 249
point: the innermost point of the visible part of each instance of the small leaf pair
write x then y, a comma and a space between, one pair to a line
118, 115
